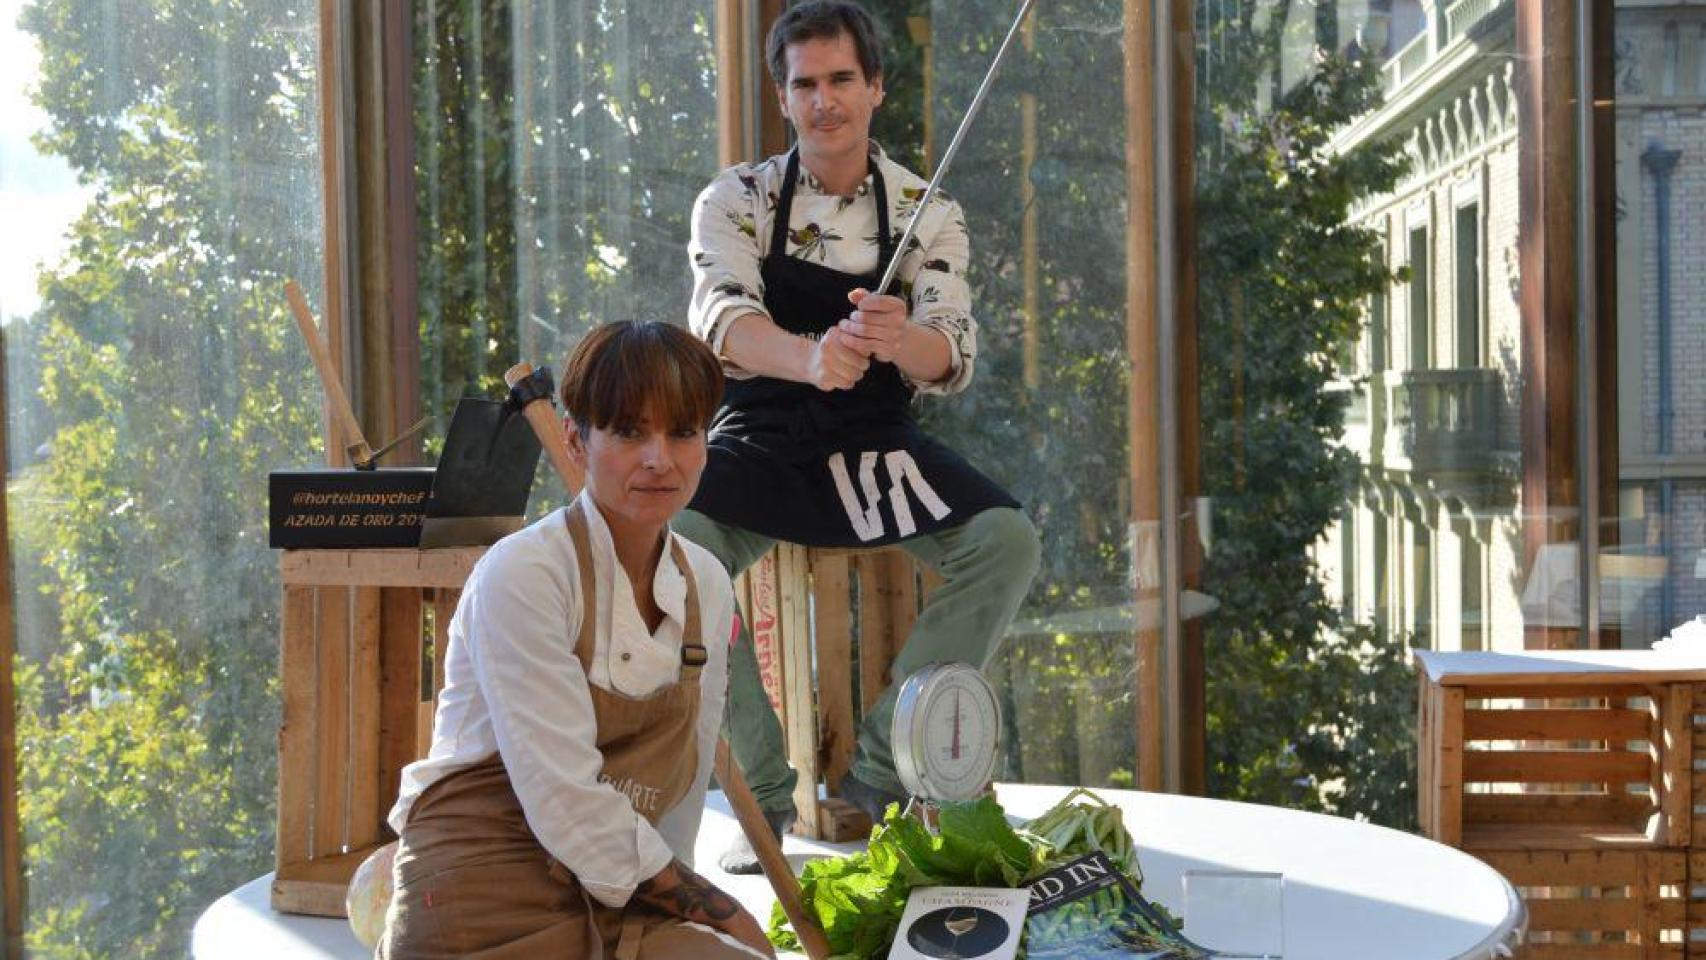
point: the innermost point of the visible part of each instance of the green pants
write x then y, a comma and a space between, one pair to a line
986, 565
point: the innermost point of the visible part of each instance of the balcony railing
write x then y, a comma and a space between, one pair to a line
1442, 422
1406, 63
1461, 18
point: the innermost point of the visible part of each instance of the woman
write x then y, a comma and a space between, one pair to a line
556, 812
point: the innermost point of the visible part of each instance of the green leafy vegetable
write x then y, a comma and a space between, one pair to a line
858, 898
1081, 823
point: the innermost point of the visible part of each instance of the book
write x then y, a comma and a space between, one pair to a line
1088, 908
961, 923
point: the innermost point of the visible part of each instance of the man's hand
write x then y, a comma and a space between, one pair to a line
835, 363
877, 324
679, 892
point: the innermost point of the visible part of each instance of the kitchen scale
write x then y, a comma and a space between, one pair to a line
947, 734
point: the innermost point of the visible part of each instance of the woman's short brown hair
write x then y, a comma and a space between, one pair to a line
621, 367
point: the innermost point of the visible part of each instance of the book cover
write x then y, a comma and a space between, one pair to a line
1088, 909
961, 923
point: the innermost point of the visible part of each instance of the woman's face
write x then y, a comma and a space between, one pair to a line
640, 475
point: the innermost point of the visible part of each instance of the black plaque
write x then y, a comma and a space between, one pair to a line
334, 509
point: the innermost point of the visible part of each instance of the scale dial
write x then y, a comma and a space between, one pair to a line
947, 732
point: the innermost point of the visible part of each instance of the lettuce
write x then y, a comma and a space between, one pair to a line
858, 898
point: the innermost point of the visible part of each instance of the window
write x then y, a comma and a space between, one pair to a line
1421, 282
172, 186
1467, 277
1422, 576
560, 147
1349, 570
1053, 381
1384, 571
1652, 560
1380, 325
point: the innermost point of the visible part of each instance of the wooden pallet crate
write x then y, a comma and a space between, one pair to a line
1697, 733
1554, 760
827, 625
360, 664
1600, 904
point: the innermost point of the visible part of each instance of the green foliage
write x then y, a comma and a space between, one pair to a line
858, 898
1304, 709
559, 148
168, 379
464, 125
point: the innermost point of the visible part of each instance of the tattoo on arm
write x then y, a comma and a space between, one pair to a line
680, 892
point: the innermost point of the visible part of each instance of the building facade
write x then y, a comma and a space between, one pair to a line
1433, 545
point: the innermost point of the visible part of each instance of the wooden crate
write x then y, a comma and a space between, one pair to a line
827, 625
360, 663
1600, 904
1697, 731
1573, 774
1554, 761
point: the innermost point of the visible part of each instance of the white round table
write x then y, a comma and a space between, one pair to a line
1352, 890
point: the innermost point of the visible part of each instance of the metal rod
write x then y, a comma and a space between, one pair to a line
1660, 163
1167, 383
953, 147
1587, 328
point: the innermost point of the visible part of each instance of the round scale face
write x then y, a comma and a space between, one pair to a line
947, 732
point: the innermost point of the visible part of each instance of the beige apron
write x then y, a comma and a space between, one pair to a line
474, 881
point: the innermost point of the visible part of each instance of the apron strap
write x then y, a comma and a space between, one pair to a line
785, 213
693, 653
785, 205
580, 534
885, 239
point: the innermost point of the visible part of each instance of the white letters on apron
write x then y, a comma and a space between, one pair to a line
866, 518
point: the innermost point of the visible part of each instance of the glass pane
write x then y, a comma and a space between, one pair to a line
1042, 181
559, 148
1652, 561
1356, 180
160, 170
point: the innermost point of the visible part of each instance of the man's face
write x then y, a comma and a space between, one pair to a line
828, 97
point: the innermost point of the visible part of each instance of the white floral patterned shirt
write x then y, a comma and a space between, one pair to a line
732, 223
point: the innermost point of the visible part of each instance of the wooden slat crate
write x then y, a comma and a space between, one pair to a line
1697, 730
1573, 773
1600, 904
1555, 760
360, 667
827, 626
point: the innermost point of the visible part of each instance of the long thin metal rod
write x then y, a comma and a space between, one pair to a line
1167, 382
953, 147
1587, 326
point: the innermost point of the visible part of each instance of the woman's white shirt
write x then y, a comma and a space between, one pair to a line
514, 686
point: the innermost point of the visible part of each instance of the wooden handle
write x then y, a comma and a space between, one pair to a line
776, 869
549, 431
342, 413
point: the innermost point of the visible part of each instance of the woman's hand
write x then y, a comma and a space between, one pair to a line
679, 892
745, 928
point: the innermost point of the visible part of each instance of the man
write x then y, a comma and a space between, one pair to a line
816, 442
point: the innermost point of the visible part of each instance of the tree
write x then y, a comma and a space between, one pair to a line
172, 380
1304, 708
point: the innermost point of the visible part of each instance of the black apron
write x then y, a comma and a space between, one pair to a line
841, 468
